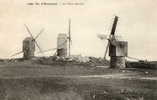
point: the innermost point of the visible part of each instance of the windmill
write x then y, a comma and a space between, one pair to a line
117, 48
64, 41
29, 44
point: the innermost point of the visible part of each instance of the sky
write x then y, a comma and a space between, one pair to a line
137, 24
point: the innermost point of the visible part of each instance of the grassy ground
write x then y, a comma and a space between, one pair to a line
38, 82
77, 89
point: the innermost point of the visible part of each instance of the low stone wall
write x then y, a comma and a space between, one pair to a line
117, 62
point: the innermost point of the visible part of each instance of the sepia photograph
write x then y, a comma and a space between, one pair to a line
78, 50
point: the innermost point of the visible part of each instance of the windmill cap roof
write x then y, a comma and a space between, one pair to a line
28, 39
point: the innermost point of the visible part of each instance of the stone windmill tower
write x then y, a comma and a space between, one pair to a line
64, 43
28, 48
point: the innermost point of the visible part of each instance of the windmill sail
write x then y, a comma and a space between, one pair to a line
69, 38
114, 25
29, 32
42, 30
16, 53
111, 34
